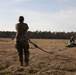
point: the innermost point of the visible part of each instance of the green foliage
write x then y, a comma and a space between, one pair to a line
40, 34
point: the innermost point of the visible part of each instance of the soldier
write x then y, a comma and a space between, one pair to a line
72, 41
22, 44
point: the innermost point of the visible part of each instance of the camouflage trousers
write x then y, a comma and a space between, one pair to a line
23, 49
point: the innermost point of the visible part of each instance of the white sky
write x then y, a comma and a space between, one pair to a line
44, 15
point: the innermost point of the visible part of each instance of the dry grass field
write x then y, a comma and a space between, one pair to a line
58, 60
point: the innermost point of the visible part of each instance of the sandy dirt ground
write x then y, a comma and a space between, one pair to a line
57, 60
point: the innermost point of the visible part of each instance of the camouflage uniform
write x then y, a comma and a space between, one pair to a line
22, 44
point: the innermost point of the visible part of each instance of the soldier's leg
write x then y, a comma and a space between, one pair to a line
20, 53
26, 53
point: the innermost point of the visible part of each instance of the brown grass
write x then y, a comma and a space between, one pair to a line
61, 60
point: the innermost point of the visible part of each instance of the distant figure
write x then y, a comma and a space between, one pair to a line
72, 41
13, 36
22, 44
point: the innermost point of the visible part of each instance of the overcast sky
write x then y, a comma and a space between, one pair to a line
42, 15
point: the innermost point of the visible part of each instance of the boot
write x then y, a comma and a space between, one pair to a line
21, 63
26, 64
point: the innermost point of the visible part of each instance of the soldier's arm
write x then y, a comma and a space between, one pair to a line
25, 28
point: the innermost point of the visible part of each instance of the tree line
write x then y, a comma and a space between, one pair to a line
40, 34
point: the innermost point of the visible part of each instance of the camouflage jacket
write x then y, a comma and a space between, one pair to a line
21, 33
